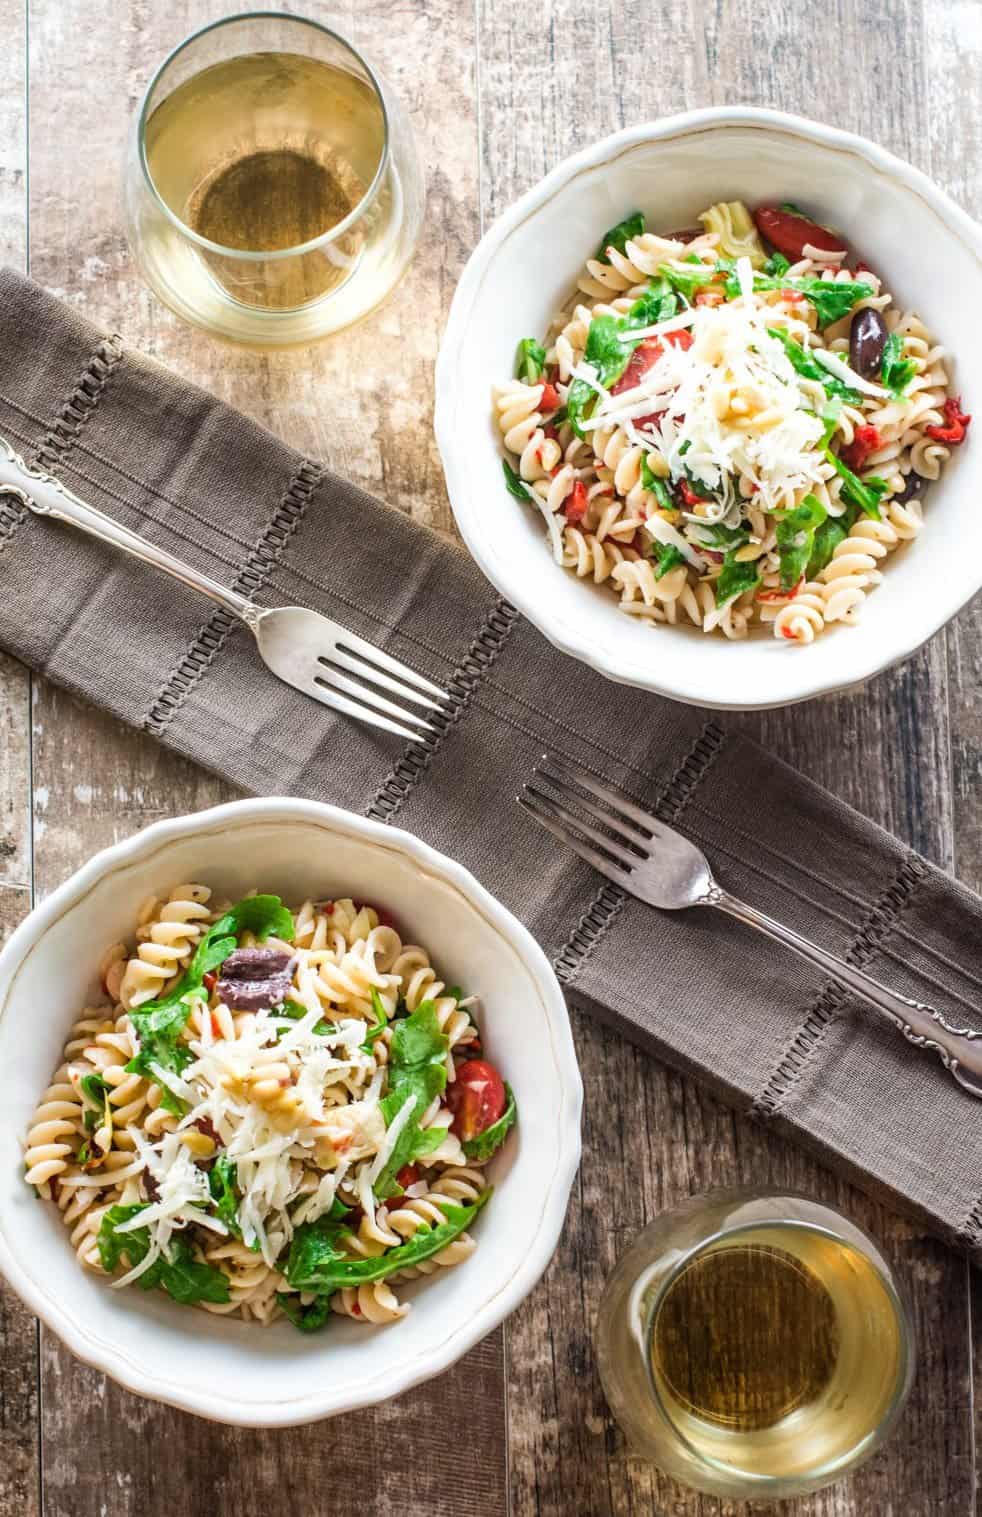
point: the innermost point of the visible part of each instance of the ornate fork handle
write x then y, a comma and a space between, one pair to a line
958, 1048
45, 495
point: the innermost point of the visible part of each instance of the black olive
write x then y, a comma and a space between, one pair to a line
254, 979
913, 485
867, 338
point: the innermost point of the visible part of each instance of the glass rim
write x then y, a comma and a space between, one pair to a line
297, 249
876, 1435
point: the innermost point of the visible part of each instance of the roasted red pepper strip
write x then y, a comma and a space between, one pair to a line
575, 504
791, 233
549, 399
865, 440
956, 424
642, 359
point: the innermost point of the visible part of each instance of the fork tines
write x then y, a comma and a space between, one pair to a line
598, 823
374, 672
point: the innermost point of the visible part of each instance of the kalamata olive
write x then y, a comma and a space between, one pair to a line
254, 979
867, 339
913, 485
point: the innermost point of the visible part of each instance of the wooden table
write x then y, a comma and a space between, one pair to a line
499, 92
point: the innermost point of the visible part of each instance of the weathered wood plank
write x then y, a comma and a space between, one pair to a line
345, 402
547, 88
19, 1433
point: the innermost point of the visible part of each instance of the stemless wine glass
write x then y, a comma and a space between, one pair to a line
754, 1345
272, 190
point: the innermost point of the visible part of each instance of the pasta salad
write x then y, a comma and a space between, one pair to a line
730, 425
278, 1112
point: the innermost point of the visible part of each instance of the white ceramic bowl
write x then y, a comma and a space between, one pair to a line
241, 1372
926, 249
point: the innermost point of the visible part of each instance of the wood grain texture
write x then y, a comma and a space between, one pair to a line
19, 1434
498, 96
651, 1138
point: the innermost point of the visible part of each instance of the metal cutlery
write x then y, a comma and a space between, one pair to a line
653, 862
309, 651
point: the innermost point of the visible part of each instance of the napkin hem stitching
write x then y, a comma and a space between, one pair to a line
211, 638
473, 668
609, 899
806, 1042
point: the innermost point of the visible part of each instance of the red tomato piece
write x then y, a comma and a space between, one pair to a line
408, 1175
710, 297
790, 233
575, 504
644, 357
865, 441
956, 424
689, 495
775, 595
209, 981
796, 296
684, 339
476, 1098
549, 399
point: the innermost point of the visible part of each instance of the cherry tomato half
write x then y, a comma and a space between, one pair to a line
476, 1098
549, 399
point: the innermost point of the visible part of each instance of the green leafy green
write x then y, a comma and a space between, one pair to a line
307, 1319
318, 1262
689, 283
808, 366
776, 265
832, 300
735, 579
222, 1182
295, 1012
896, 371
718, 536
381, 1022
865, 494
417, 1071
828, 536
159, 1023
488, 1142
620, 235
795, 534
609, 347
666, 556
515, 484
530, 361
180, 1274
657, 303
793, 210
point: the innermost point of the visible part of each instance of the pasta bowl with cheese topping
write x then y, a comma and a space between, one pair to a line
294, 1070
720, 448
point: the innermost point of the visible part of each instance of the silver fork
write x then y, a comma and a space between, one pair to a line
304, 649
659, 866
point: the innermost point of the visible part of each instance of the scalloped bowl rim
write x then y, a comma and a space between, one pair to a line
450, 1345
864, 661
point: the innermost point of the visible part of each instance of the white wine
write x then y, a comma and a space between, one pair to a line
774, 1352
754, 1344
263, 153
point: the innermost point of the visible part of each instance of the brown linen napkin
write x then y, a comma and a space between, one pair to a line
701, 991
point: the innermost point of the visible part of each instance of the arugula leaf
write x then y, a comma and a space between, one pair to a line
488, 1142
716, 535
514, 483
689, 283
620, 235
222, 1182
827, 538
381, 1022
658, 303
795, 535
317, 1260
418, 1071
307, 1319
866, 494
831, 299
174, 1057
94, 1088
184, 1278
608, 352
793, 210
666, 556
803, 363
777, 264
736, 578
896, 371
296, 1013
530, 361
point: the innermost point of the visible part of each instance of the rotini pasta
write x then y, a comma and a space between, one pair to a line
280, 1112
730, 428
